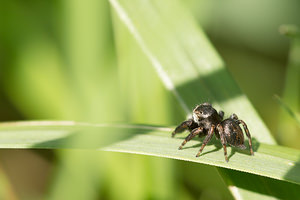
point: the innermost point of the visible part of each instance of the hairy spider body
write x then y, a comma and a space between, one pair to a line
231, 133
206, 121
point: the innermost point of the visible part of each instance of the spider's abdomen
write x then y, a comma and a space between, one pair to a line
233, 133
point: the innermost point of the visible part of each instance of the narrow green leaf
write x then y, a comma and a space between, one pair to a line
272, 161
268, 160
288, 131
185, 60
90, 65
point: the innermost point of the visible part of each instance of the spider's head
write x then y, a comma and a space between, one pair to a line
203, 111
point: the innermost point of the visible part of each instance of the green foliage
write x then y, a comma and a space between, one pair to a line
188, 66
144, 62
155, 141
288, 131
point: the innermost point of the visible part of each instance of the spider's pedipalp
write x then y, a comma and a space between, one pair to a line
182, 127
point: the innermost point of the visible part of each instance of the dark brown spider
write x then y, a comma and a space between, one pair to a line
232, 134
206, 121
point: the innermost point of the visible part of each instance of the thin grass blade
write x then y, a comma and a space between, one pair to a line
272, 161
185, 60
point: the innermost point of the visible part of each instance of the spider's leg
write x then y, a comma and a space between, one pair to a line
223, 140
193, 133
182, 127
248, 135
207, 139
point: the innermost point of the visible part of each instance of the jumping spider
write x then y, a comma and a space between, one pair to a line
206, 121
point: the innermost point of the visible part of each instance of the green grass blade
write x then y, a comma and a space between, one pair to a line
59, 134
184, 59
272, 161
288, 131
285, 160
89, 61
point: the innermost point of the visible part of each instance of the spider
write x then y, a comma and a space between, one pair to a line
203, 123
232, 134
206, 121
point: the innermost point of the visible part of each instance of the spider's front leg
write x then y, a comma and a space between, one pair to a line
248, 135
207, 139
182, 127
193, 133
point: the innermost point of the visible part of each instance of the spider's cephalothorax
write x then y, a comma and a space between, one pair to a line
205, 114
203, 123
232, 134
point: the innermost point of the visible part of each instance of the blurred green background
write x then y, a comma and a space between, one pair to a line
62, 60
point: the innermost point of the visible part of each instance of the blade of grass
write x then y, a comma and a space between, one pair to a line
287, 130
30, 77
90, 62
185, 61
270, 160
146, 100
